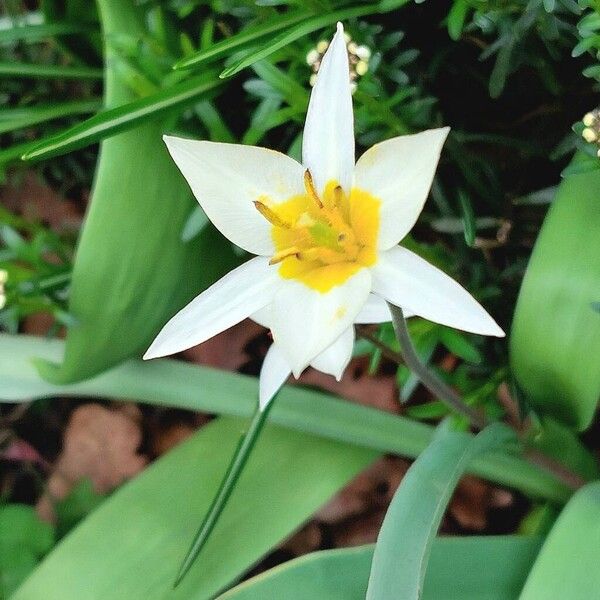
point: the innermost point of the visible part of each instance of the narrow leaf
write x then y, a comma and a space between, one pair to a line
238, 41
47, 71
121, 118
414, 516
175, 384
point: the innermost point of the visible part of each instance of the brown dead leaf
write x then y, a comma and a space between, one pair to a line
226, 350
357, 385
29, 197
99, 444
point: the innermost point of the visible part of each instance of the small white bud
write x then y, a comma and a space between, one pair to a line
353, 87
361, 67
363, 52
313, 79
3, 276
347, 37
2, 301
322, 46
589, 135
352, 48
312, 57
589, 119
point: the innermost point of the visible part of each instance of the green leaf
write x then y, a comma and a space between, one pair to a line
21, 117
238, 41
47, 71
562, 444
131, 546
468, 217
461, 568
176, 384
132, 271
555, 341
34, 33
293, 33
456, 18
567, 566
24, 540
122, 118
81, 501
416, 511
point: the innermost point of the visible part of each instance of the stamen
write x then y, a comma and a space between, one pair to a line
270, 215
310, 188
338, 196
283, 254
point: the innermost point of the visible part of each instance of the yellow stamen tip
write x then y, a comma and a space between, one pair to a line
270, 215
309, 184
283, 254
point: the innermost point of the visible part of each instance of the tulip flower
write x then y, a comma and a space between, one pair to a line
326, 235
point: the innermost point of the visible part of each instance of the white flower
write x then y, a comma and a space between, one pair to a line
326, 234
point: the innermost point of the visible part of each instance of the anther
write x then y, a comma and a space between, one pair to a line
283, 254
309, 184
270, 215
338, 196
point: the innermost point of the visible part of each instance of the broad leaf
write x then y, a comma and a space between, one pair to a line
567, 566
555, 341
131, 546
473, 568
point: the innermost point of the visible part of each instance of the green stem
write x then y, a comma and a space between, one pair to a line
234, 470
447, 395
435, 385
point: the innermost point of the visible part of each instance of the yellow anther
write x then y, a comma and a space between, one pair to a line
309, 184
283, 254
338, 196
270, 215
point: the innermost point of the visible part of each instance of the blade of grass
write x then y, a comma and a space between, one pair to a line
46, 71
34, 33
244, 38
21, 117
121, 118
291, 35
226, 487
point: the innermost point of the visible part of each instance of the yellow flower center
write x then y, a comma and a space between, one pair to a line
322, 241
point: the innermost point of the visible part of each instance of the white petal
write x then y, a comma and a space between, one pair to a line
227, 178
227, 302
305, 321
263, 316
328, 141
407, 280
335, 358
273, 374
399, 172
375, 310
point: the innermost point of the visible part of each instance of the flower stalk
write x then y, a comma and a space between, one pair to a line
435, 385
